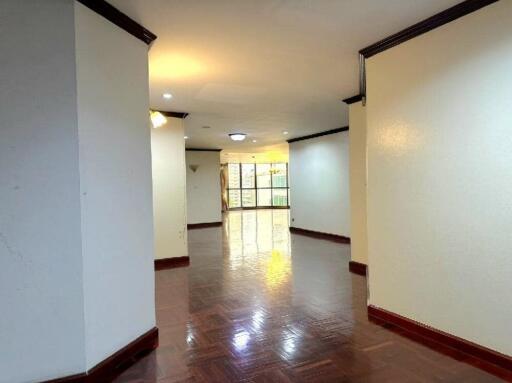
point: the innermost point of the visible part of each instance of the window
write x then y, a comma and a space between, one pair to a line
279, 197
234, 176
264, 197
248, 179
235, 199
279, 175
263, 175
257, 185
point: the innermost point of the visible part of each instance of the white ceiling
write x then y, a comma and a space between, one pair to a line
263, 66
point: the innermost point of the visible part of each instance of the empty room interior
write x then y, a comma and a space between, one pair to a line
255, 191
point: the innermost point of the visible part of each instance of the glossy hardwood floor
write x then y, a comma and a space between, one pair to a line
260, 305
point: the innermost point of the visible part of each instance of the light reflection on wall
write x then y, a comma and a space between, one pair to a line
397, 138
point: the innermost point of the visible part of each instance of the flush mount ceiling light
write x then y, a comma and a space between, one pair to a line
185, 137
167, 96
157, 118
254, 141
237, 136
285, 132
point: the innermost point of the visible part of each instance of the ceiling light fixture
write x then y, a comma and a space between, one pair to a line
237, 136
167, 96
186, 137
254, 141
285, 132
157, 118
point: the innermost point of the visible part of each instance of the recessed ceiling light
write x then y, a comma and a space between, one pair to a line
186, 137
285, 132
254, 141
167, 96
237, 136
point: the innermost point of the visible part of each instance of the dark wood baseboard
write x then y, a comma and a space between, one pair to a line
171, 263
320, 235
203, 225
461, 349
78, 378
357, 268
111, 367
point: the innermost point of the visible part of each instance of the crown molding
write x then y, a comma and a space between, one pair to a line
433, 22
173, 114
115, 16
333, 131
353, 99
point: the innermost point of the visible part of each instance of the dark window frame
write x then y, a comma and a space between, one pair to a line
256, 188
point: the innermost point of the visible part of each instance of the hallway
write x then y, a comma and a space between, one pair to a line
258, 304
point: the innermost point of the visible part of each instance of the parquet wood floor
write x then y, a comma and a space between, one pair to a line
257, 304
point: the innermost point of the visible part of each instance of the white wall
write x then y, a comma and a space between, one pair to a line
41, 320
115, 184
203, 187
357, 135
440, 179
169, 189
75, 198
319, 184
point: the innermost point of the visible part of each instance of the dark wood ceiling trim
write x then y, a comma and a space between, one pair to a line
174, 114
202, 150
115, 364
442, 18
333, 131
353, 99
357, 268
118, 18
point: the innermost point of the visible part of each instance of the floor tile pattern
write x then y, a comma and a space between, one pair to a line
257, 304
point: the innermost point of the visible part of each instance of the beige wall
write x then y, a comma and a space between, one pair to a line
319, 184
115, 184
41, 289
440, 180
203, 187
76, 237
357, 134
169, 189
